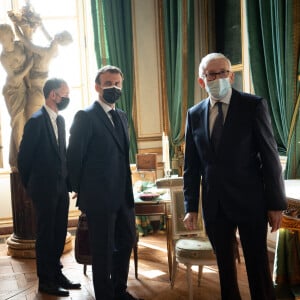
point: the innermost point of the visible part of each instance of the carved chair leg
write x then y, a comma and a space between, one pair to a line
200, 270
189, 280
135, 254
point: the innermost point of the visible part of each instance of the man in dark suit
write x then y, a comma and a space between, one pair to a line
43, 171
100, 176
231, 149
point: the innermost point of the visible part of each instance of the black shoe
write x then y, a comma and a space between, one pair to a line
53, 289
64, 282
127, 296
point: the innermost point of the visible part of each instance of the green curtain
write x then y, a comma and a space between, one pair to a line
274, 58
112, 22
273, 28
178, 28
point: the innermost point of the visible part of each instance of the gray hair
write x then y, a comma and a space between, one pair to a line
208, 58
52, 84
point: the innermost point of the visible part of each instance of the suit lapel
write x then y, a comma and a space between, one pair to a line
50, 131
205, 117
200, 124
106, 121
124, 125
231, 122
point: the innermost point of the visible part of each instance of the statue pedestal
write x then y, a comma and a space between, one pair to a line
22, 242
26, 248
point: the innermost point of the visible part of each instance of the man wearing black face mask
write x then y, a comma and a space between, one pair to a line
43, 171
98, 166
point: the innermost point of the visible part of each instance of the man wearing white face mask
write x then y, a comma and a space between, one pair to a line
230, 148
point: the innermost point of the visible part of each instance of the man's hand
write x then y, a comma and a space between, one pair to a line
274, 218
190, 220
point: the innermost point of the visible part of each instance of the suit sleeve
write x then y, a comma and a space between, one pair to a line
78, 143
271, 167
27, 149
192, 170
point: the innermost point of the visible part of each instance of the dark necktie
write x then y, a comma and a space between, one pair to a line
118, 126
218, 127
60, 132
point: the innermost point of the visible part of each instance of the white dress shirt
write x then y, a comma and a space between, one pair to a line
107, 109
53, 115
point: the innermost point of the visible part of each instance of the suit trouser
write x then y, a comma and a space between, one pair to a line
52, 221
253, 236
112, 236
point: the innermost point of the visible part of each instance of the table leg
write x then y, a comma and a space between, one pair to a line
169, 245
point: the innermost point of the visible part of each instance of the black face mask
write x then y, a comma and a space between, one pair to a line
63, 103
111, 95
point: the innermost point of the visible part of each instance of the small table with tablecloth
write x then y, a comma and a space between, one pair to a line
159, 206
287, 256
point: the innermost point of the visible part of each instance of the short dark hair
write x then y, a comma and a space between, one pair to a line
52, 84
108, 68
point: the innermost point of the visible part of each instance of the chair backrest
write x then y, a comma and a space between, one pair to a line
170, 183
142, 177
146, 161
146, 166
178, 213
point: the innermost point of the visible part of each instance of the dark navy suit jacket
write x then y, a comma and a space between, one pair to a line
39, 160
98, 163
244, 177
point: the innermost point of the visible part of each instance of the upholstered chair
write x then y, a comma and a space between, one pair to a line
191, 248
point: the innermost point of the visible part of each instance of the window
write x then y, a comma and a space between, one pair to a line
231, 39
75, 62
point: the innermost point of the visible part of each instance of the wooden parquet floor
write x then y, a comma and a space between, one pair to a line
18, 280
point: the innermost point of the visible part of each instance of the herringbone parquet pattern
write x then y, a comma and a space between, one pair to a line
18, 279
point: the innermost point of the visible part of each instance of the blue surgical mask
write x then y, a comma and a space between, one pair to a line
218, 88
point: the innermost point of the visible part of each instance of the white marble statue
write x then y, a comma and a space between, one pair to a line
26, 65
42, 57
17, 66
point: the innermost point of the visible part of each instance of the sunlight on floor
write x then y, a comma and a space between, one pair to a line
153, 247
206, 269
152, 273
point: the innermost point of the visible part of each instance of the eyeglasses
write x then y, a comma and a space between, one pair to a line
213, 76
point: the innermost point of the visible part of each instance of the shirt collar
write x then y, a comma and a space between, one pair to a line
53, 115
105, 106
225, 100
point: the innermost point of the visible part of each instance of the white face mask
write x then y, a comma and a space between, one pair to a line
218, 88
